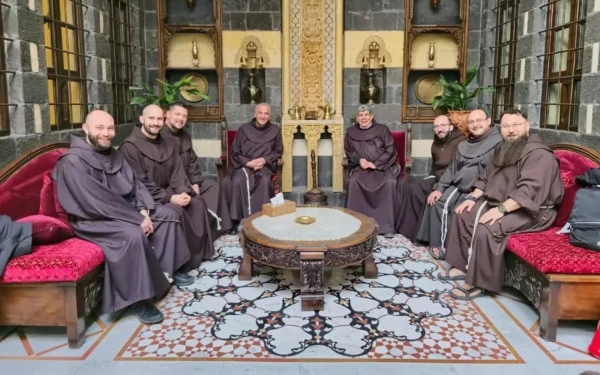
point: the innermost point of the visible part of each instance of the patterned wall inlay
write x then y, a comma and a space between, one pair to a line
312, 53
329, 45
295, 19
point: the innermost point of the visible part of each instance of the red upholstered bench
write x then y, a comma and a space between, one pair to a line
57, 284
561, 280
227, 138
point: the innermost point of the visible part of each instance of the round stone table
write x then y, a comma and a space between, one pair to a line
338, 238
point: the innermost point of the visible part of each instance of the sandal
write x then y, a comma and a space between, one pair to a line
451, 278
440, 255
468, 293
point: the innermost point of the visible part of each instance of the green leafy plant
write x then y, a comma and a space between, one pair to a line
456, 96
170, 92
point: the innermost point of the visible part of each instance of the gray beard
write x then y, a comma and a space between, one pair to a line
510, 151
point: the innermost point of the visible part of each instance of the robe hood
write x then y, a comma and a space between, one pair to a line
261, 135
476, 147
534, 142
359, 134
108, 161
155, 149
181, 138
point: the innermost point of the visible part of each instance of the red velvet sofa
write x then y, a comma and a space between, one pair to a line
227, 138
562, 281
58, 284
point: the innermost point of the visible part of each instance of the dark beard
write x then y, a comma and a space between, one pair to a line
511, 151
94, 142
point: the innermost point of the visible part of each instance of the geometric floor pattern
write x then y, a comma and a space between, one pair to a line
405, 314
404, 318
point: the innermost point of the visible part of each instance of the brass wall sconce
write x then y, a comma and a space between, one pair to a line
435, 3
251, 61
195, 60
252, 67
191, 3
374, 61
373, 67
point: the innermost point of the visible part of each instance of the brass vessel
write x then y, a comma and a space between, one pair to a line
297, 112
327, 111
252, 93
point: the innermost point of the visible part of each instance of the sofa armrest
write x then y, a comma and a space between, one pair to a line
407, 168
279, 174
222, 169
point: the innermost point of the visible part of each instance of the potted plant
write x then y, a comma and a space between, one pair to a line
170, 93
456, 98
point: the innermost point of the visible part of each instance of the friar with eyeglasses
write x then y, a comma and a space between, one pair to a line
470, 159
414, 194
519, 191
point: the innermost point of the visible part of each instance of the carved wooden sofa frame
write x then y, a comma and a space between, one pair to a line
227, 137
402, 140
62, 304
556, 296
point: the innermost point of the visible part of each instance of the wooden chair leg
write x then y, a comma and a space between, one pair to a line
549, 312
75, 318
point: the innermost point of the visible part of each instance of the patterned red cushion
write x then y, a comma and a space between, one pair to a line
47, 230
552, 253
66, 261
49, 205
20, 193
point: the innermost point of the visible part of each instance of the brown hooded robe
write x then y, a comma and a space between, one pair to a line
414, 194
210, 190
469, 161
246, 189
158, 166
534, 182
373, 192
103, 197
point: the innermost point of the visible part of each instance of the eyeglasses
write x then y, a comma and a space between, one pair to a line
512, 126
436, 127
479, 121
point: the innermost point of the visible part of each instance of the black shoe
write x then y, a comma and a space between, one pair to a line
182, 279
147, 313
234, 230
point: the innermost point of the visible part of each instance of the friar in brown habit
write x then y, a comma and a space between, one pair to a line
518, 192
254, 153
414, 194
157, 163
469, 161
209, 190
109, 206
372, 187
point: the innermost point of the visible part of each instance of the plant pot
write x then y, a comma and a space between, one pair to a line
459, 119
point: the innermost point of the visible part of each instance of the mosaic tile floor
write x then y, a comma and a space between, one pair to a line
404, 318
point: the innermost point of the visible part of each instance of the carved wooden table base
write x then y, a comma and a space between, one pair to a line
312, 258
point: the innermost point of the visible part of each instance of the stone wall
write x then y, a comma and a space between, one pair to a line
530, 69
28, 88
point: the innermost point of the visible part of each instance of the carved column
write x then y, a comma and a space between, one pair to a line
312, 274
312, 134
337, 138
288, 141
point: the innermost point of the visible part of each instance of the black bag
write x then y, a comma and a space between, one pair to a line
585, 215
